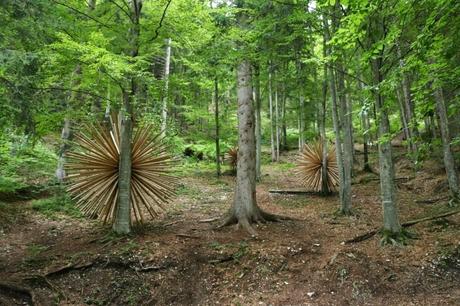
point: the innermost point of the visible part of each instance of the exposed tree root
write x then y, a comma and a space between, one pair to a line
245, 222
404, 225
14, 289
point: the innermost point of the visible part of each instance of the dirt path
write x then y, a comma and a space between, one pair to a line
181, 261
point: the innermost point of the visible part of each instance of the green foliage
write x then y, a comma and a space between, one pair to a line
23, 164
54, 206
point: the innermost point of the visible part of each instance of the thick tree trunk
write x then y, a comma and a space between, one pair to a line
390, 211
245, 210
449, 162
164, 108
258, 122
216, 104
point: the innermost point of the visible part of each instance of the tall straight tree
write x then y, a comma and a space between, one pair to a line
344, 184
258, 121
377, 34
122, 223
164, 107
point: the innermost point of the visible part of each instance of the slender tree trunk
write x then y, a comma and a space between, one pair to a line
258, 121
449, 161
164, 108
390, 210
411, 121
216, 104
403, 118
366, 127
345, 119
322, 130
345, 197
122, 223
283, 118
270, 99
301, 122
277, 128
67, 128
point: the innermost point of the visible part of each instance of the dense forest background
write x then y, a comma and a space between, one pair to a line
376, 80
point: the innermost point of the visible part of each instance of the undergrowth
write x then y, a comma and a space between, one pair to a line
55, 205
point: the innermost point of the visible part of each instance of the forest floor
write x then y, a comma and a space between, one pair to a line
182, 260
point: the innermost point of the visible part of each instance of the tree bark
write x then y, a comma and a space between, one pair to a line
245, 210
270, 100
258, 122
164, 108
344, 194
387, 174
277, 128
122, 222
216, 104
449, 162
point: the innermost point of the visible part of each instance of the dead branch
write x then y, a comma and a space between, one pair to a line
68, 268
294, 192
187, 236
209, 220
431, 201
405, 224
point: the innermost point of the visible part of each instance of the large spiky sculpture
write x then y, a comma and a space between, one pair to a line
310, 170
233, 158
93, 172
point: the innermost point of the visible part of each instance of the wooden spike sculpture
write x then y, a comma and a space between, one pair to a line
309, 167
93, 172
233, 158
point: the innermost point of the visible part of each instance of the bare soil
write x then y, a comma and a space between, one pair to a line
181, 260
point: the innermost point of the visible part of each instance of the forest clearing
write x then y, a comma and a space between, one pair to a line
229, 152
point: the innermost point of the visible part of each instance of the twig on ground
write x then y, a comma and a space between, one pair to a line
371, 233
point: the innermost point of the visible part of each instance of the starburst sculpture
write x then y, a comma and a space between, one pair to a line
310, 170
93, 172
233, 158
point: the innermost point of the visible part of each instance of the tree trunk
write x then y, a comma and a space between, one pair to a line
411, 121
164, 108
301, 122
366, 127
347, 145
344, 193
67, 128
390, 211
122, 222
245, 210
216, 104
277, 128
283, 118
449, 162
270, 100
322, 130
258, 121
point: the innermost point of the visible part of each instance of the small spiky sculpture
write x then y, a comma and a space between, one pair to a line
233, 158
310, 170
93, 172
